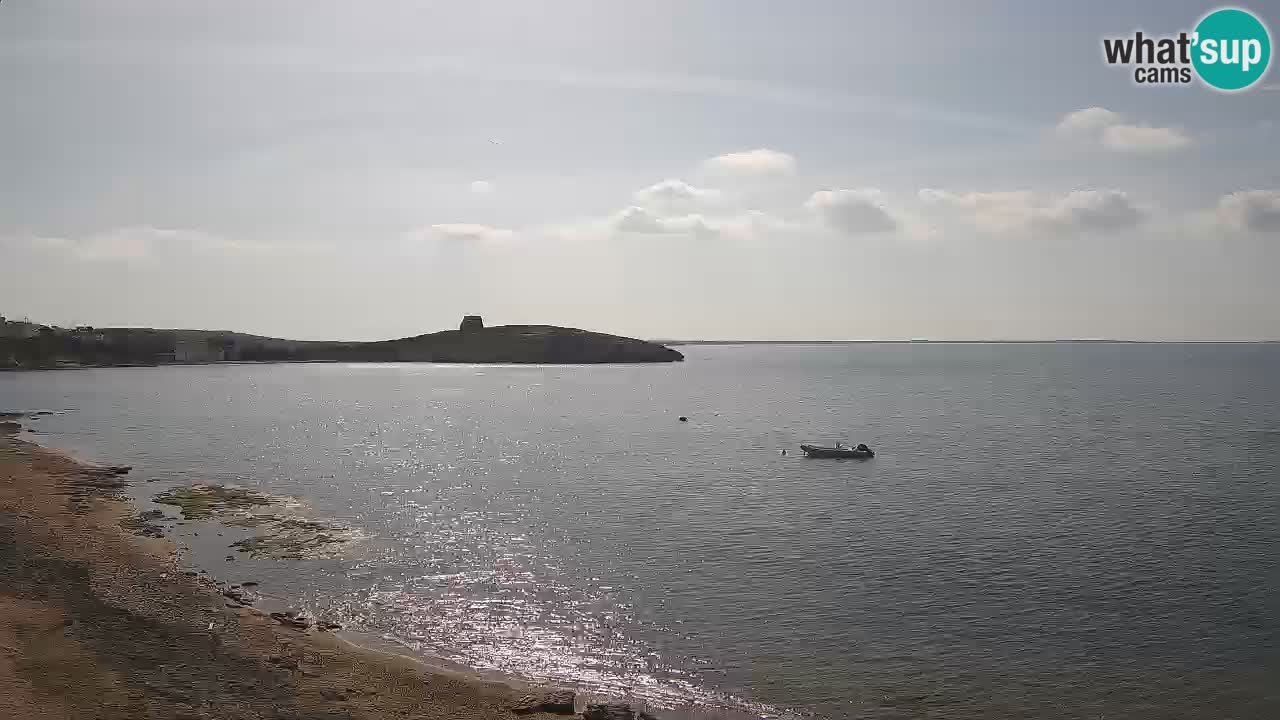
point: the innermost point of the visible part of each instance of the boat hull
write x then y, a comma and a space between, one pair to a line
816, 451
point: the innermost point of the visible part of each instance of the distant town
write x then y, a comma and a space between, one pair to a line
28, 344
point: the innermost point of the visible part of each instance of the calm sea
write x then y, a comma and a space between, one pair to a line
1048, 530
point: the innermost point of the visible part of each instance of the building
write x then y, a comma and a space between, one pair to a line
19, 329
471, 322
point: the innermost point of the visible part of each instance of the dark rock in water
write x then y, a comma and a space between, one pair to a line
249, 583
608, 711
684, 419
202, 502
291, 620
548, 701
102, 478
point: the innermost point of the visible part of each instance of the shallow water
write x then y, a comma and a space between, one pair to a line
1053, 530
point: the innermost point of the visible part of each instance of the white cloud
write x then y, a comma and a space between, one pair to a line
1251, 210
144, 243
639, 221
758, 163
470, 232
1139, 139
675, 195
1002, 211
1088, 120
1098, 125
853, 211
753, 224
481, 187
1094, 210
1025, 211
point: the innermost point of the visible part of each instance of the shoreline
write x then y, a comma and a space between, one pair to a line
73, 555
97, 621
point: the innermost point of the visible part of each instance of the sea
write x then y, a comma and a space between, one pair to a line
1053, 530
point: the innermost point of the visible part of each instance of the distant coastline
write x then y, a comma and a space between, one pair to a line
966, 342
29, 346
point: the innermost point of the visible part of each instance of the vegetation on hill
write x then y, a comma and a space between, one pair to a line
47, 347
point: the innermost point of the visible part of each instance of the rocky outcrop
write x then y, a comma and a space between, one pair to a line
559, 702
520, 344
291, 619
614, 711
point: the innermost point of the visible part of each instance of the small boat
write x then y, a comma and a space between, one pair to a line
839, 451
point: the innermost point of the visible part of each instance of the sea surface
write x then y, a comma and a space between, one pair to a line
1085, 530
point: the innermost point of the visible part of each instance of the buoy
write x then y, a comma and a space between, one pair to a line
684, 419
784, 451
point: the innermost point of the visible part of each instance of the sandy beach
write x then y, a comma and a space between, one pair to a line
99, 622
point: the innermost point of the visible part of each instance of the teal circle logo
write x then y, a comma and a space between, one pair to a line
1231, 49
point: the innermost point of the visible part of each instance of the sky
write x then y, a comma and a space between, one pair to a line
685, 170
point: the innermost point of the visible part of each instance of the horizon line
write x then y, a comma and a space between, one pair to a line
919, 341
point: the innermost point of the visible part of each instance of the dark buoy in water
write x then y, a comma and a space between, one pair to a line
684, 419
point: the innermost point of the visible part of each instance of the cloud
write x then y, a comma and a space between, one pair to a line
1251, 210
639, 221
675, 195
1094, 210
1025, 211
470, 232
758, 163
636, 221
1100, 126
853, 211
145, 243
481, 187
1132, 138
1002, 211
1088, 120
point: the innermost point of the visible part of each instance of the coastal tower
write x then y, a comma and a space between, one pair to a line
471, 322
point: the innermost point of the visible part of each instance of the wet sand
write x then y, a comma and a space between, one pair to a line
99, 622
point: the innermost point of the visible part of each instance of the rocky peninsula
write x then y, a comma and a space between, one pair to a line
26, 345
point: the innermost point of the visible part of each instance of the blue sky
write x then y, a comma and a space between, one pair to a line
696, 169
